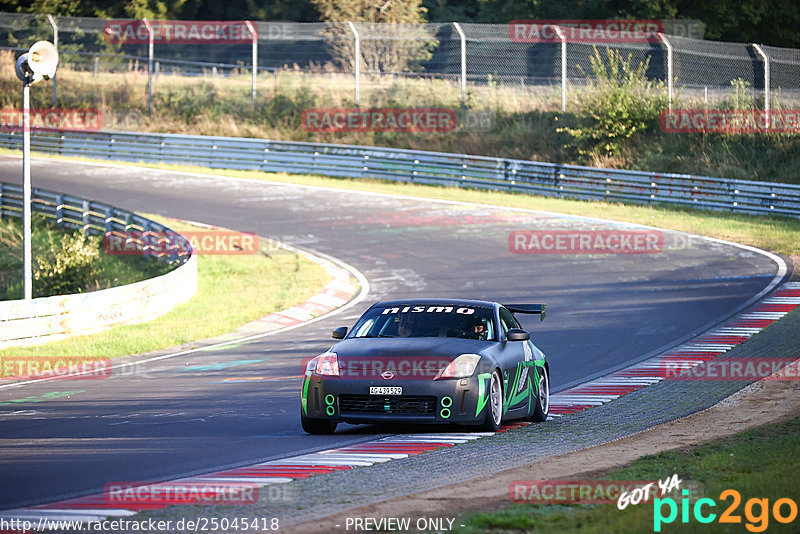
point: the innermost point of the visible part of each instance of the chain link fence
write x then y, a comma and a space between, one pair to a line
466, 59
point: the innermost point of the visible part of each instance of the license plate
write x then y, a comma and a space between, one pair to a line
385, 390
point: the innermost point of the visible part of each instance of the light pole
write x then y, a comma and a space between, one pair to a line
39, 63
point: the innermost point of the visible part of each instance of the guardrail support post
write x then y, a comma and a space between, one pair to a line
357, 59
669, 67
59, 210
765, 57
463, 39
55, 43
252, 30
149, 65
85, 216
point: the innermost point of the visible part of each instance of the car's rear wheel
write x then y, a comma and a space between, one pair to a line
494, 408
542, 403
317, 426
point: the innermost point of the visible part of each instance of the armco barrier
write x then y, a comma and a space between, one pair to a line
459, 170
48, 318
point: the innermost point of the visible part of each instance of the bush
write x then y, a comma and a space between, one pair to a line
618, 102
61, 263
66, 264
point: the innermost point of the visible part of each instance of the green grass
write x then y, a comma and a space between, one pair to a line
526, 120
762, 463
232, 290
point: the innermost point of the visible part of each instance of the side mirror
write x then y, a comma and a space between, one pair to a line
339, 333
517, 334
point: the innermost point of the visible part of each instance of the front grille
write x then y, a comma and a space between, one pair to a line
387, 404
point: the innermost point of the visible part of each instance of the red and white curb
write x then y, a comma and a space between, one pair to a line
99, 506
336, 293
704, 347
346, 283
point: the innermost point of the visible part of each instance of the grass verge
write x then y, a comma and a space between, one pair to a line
759, 464
231, 291
522, 122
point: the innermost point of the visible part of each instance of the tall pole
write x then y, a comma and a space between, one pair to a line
357, 61
26, 190
563, 39
55, 43
765, 57
463, 39
39, 63
149, 65
669, 68
252, 30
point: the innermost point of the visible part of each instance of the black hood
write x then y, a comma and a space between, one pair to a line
443, 347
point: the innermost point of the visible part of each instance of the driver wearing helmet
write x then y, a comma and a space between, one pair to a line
477, 329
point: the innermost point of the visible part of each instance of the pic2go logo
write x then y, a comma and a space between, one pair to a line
783, 511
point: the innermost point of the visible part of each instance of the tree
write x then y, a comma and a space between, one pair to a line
400, 48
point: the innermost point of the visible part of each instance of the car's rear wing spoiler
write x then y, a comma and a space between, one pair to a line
536, 309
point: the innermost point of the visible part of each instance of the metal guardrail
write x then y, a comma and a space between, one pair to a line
456, 170
47, 318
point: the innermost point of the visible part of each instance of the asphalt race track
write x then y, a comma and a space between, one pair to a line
176, 416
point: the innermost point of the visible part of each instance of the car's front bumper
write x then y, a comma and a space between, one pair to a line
458, 400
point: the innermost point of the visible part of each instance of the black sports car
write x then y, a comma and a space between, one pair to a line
429, 361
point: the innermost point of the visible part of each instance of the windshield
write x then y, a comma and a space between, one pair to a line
465, 322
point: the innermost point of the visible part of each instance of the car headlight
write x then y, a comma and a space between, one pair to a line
326, 364
461, 367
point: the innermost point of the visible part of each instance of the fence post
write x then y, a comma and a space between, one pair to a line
255, 57
55, 43
357, 60
563, 39
669, 67
149, 65
765, 57
463, 39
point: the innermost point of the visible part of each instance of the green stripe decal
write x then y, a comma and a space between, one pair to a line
483, 396
304, 397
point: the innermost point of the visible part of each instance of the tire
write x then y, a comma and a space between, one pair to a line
494, 411
542, 403
317, 426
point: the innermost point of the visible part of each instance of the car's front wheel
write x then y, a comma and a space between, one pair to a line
494, 408
317, 426
542, 402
